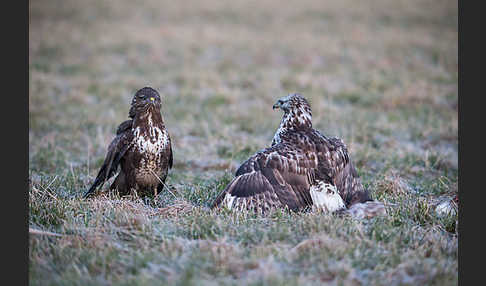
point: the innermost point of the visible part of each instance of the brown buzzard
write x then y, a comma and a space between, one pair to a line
141, 148
301, 169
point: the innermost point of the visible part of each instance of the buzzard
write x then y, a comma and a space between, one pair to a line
141, 148
301, 169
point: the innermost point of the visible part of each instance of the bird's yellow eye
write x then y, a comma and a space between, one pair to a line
152, 99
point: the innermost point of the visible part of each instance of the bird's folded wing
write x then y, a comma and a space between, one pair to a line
124, 126
116, 150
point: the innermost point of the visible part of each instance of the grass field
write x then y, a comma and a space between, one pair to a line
382, 75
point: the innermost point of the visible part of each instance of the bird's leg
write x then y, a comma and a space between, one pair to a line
155, 195
134, 191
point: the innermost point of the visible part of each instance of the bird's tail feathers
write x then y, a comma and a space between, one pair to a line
99, 181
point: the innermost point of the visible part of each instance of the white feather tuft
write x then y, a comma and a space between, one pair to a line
325, 197
228, 200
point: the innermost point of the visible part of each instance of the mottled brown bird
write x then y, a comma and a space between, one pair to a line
301, 169
141, 148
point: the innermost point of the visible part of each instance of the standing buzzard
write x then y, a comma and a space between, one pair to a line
301, 169
141, 148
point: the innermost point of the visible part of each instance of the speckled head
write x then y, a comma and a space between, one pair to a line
293, 102
297, 111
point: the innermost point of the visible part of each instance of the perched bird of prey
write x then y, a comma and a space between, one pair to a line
301, 169
141, 148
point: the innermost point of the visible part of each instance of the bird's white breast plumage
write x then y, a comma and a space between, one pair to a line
153, 141
150, 143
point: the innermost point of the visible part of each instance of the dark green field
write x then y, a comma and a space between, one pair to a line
382, 75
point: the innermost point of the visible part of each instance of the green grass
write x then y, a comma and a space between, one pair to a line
382, 75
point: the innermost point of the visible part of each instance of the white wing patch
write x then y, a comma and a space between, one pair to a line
228, 200
325, 197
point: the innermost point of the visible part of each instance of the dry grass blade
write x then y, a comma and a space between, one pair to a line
165, 186
41, 232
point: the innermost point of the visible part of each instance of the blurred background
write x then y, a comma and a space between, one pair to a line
380, 74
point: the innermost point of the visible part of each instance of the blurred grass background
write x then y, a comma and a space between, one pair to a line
382, 75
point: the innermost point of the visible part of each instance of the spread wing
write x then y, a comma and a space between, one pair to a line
116, 151
281, 175
278, 176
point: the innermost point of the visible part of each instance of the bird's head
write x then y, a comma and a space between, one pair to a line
145, 99
293, 103
297, 111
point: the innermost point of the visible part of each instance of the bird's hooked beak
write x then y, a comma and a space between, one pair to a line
276, 105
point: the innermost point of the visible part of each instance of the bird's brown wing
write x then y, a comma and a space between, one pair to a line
282, 174
333, 156
116, 151
124, 126
274, 177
